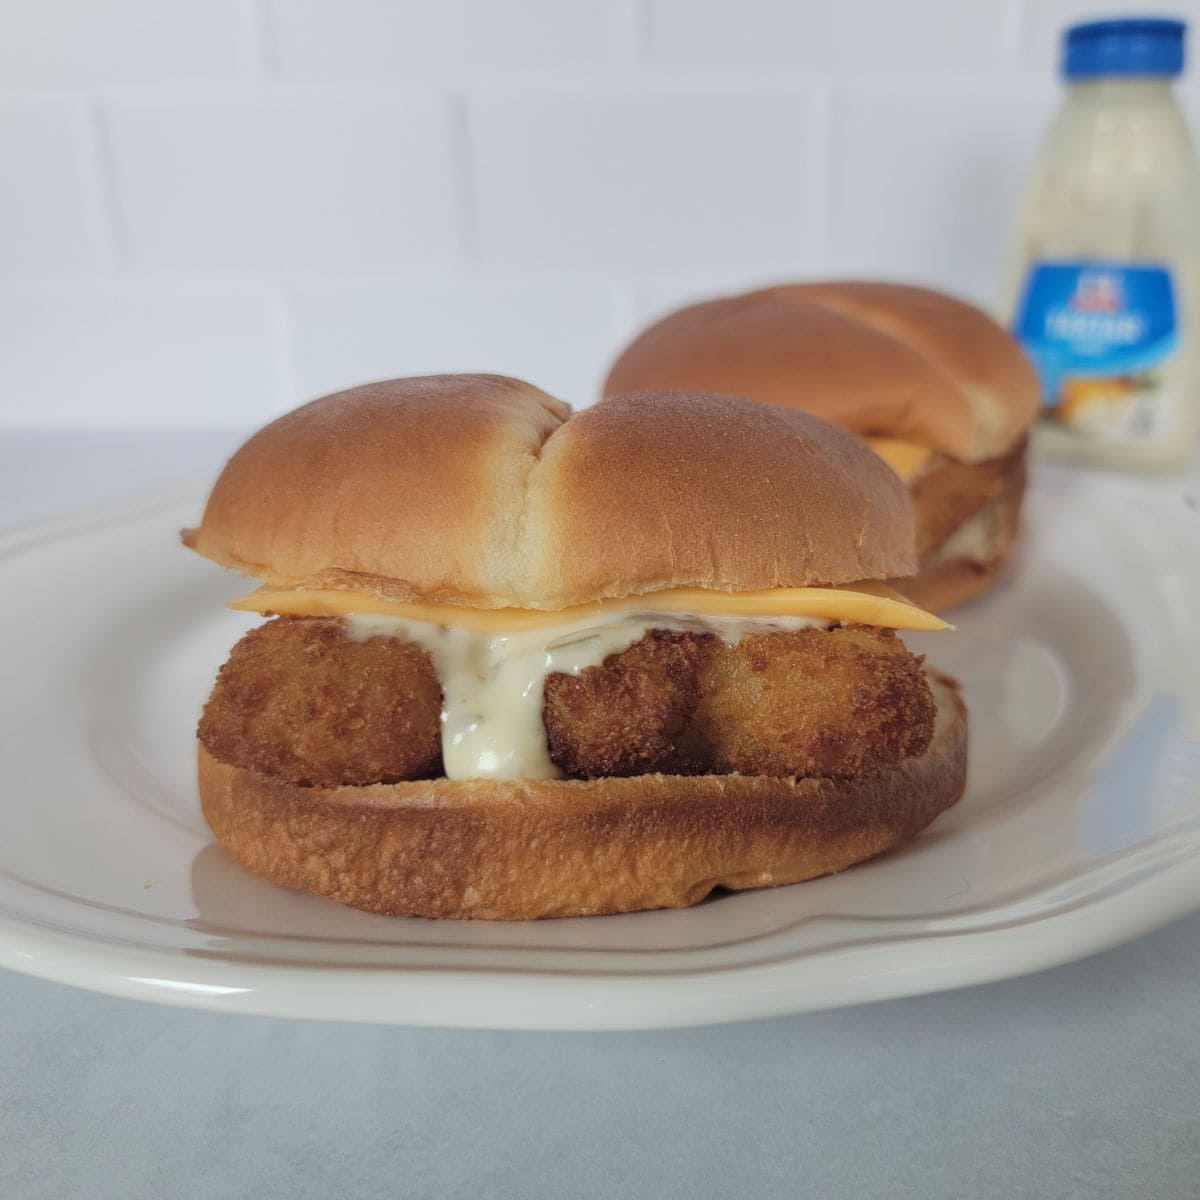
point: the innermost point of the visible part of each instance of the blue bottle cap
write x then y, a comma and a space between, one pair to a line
1128, 46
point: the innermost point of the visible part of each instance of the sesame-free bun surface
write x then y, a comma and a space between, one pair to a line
482, 491
876, 358
519, 849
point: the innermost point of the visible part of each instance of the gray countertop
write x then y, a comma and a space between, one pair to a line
1083, 1081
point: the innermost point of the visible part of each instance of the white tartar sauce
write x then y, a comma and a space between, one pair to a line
493, 684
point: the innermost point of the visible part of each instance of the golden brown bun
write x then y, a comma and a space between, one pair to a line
875, 358
513, 850
483, 491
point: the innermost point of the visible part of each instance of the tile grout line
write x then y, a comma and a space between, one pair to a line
636, 32
106, 192
818, 186
1018, 27
464, 176
256, 40
280, 338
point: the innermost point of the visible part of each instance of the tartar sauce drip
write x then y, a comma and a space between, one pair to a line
493, 684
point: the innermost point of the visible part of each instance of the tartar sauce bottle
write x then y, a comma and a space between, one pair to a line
1104, 290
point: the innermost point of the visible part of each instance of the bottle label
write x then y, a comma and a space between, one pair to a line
1100, 334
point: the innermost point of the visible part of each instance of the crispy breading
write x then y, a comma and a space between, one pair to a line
631, 715
838, 702
301, 701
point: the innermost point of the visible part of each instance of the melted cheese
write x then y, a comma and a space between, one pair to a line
905, 458
866, 603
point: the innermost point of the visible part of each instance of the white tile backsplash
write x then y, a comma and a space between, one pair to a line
283, 181
853, 35
129, 354
557, 335
631, 181
395, 40
88, 43
215, 208
926, 190
48, 224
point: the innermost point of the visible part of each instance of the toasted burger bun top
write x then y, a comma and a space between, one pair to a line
482, 491
877, 358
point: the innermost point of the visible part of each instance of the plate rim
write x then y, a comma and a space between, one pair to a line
622, 1003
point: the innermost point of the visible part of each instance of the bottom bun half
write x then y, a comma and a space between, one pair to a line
519, 849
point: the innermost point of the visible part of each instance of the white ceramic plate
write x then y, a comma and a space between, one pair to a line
1081, 826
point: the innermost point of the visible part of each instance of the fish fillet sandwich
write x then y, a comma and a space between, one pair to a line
522, 662
940, 391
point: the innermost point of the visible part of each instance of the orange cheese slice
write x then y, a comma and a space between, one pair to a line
905, 458
866, 603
